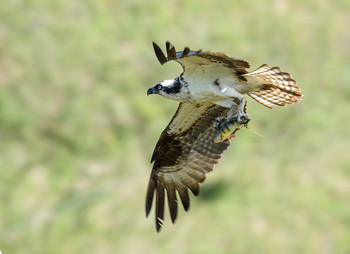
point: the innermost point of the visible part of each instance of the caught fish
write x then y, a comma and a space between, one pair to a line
227, 131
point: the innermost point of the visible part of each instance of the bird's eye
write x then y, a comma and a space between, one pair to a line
159, 87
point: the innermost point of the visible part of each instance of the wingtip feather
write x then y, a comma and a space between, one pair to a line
185, 199
159, 53
149, 197
172, 202
159, 206
185, 52
170, 49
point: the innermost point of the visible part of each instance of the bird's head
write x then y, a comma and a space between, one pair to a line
173, 89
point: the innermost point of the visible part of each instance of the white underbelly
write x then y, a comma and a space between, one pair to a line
219, 90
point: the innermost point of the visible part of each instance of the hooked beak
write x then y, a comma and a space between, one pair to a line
150, 91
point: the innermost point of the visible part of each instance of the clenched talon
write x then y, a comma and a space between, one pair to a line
220, 121
242, 118
228, 124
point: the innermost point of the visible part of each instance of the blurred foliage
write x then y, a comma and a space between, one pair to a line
77, 129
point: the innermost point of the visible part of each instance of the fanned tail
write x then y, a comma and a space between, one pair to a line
277, 87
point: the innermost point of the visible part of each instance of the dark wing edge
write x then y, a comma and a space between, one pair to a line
171, 53
239, 65
182, 159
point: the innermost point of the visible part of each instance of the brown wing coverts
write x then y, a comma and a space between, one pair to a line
236, 64
181, 161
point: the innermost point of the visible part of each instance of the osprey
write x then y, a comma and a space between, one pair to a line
210, 91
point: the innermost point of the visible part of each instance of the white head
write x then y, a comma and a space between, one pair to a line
174, 89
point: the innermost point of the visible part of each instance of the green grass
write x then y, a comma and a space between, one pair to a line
77, 129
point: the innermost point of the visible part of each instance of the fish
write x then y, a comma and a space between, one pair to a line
228, 131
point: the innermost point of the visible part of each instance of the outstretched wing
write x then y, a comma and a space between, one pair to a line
199, 62
184, 153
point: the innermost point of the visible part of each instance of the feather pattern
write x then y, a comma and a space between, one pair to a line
277, 87
182, 159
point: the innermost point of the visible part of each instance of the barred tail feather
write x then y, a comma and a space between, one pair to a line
274, 97
277, 87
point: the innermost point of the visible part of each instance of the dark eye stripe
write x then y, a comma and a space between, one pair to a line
174, 88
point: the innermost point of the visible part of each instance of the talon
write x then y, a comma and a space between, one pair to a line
242, 118
220, 121
227, 125
217, 126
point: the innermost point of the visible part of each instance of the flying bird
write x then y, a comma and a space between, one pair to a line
211, 92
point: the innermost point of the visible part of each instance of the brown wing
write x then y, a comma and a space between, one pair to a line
184, 153
202, 62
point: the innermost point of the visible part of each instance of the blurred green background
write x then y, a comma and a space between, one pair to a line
77, 130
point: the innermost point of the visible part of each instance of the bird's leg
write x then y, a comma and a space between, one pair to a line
231, 122
236, 113
220, 121
239, 114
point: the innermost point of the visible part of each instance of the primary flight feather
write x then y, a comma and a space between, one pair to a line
210, 91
